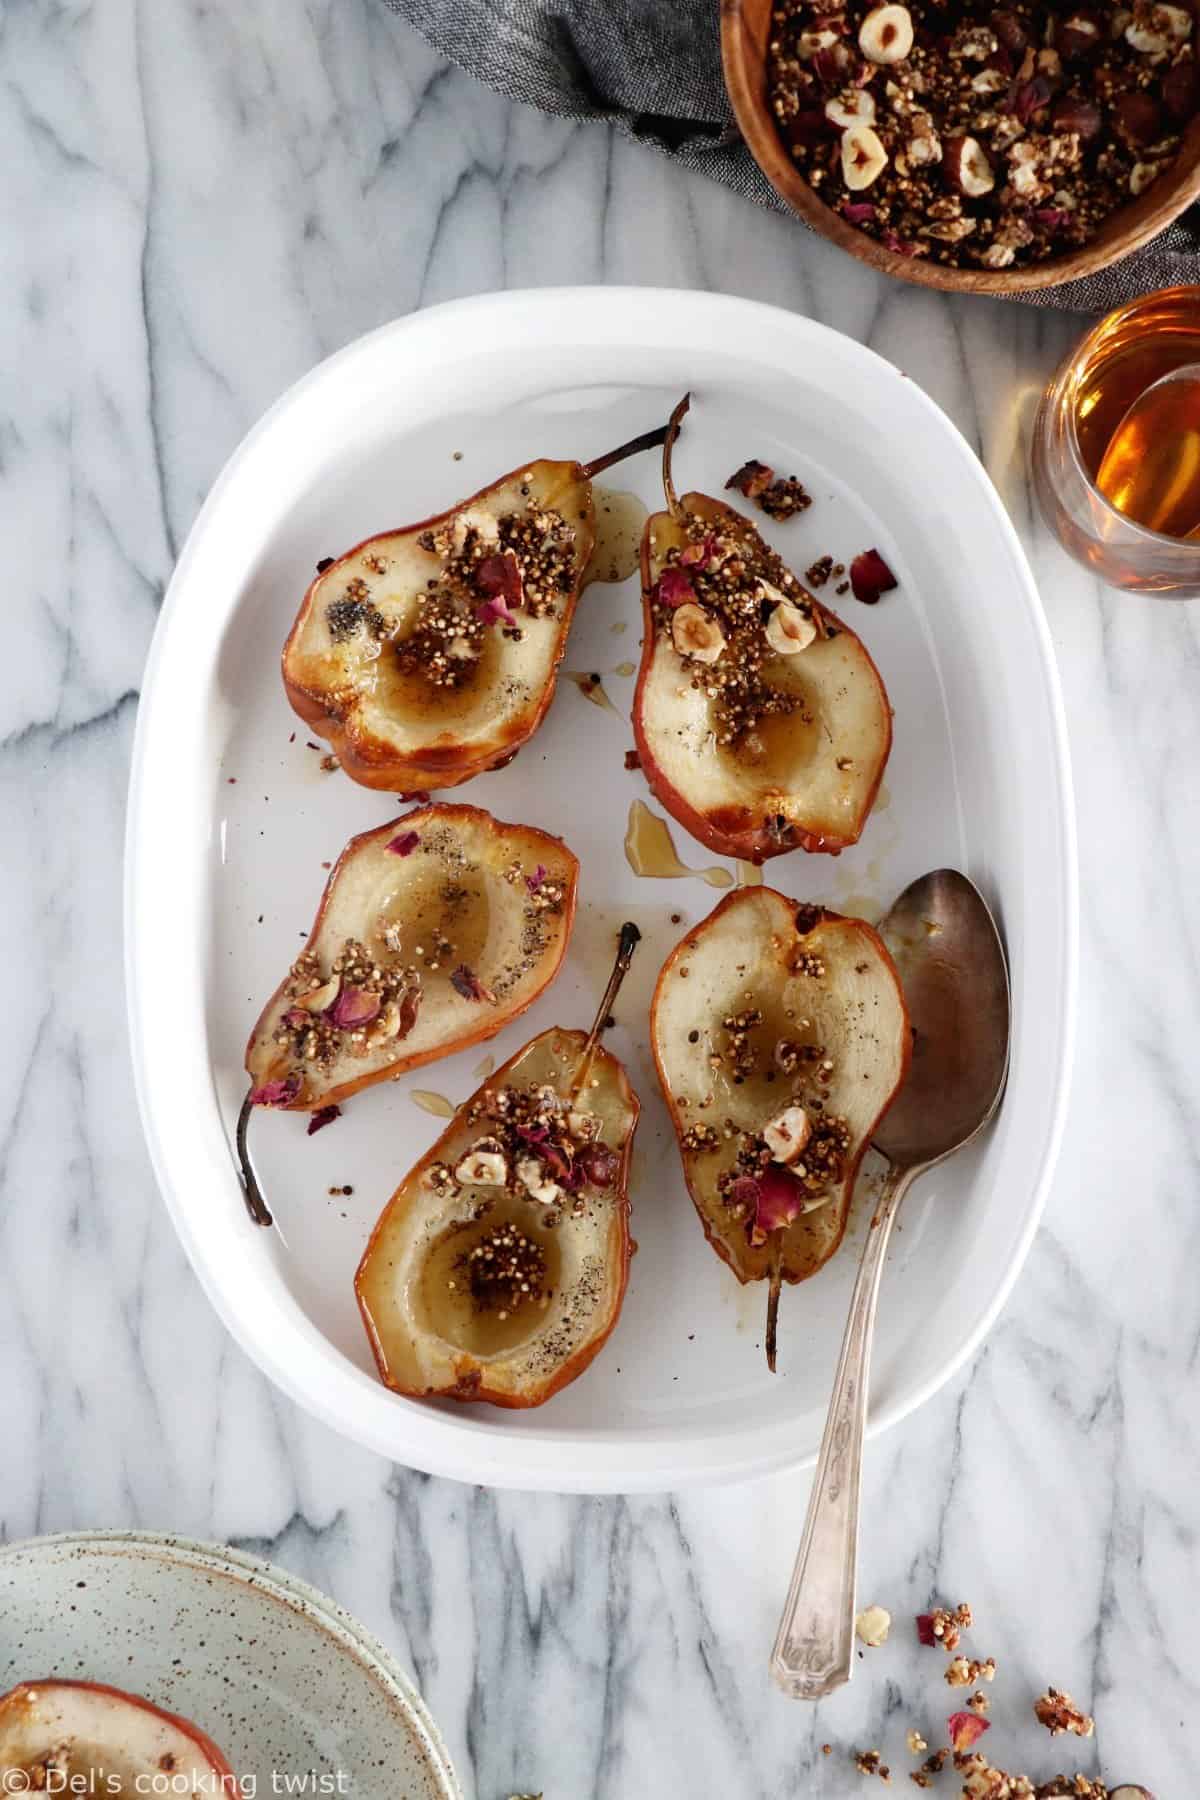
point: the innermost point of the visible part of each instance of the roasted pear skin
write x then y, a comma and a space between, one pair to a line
105, 1741
429, 654
440, 1284
770, 1013
788, 749
434, 932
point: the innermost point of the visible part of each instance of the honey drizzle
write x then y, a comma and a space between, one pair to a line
650, 850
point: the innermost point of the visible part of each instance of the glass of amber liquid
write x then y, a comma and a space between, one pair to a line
1116, 447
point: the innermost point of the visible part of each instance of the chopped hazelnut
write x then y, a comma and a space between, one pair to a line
886, 34
695, 634
482, 1168
872, 1626
863, 157
789, 630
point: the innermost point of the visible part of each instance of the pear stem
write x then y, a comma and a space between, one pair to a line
256, 1206
629, 939
673, 424
773, 1293
648, 440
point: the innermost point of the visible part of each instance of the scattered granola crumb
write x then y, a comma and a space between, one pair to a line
826, 1749
1058, 1712
818, 573
779, 498
916, 1743
978, 1702
868, 1762
942, 1627
329, 763
872, 1625
961, 1671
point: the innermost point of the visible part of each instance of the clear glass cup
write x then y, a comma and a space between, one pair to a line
1081, 408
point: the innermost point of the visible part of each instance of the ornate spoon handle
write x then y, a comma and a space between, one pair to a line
815, 1643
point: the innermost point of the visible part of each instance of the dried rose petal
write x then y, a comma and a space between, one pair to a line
353, 1006
499, 578
599, 1164
1028, 97
965, 1729
675, 588
743, 1190
405, 844
297, 1018
902, 246
925, 1631
465, 982
752, 479
559, 1166
533, 882
276, 1093
780, 1200
870, 577
324, 1115
858, 212
1054, 218
495, 612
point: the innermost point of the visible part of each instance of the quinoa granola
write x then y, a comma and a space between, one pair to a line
732, 608
981, 135
493, 567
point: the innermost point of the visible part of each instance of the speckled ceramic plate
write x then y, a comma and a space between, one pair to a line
279, 1677
233, 824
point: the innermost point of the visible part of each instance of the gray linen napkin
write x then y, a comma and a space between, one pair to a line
653, 69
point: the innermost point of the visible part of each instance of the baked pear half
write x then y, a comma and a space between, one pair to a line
498, 1268
433, 933
781, 1037
429, 654
762, 724
80, 1737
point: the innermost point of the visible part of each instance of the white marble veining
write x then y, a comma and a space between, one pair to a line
199, 202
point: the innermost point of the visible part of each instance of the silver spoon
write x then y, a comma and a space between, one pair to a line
952, 967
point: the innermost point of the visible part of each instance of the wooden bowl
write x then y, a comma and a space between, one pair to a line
745, 26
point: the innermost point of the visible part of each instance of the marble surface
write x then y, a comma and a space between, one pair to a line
199, 202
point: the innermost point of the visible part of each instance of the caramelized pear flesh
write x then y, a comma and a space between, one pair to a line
762, 724
433, 933
780, 1036
498, 1268
428, 655
79, 1737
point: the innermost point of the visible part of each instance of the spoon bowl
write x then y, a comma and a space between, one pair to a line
951, 963
947, 951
